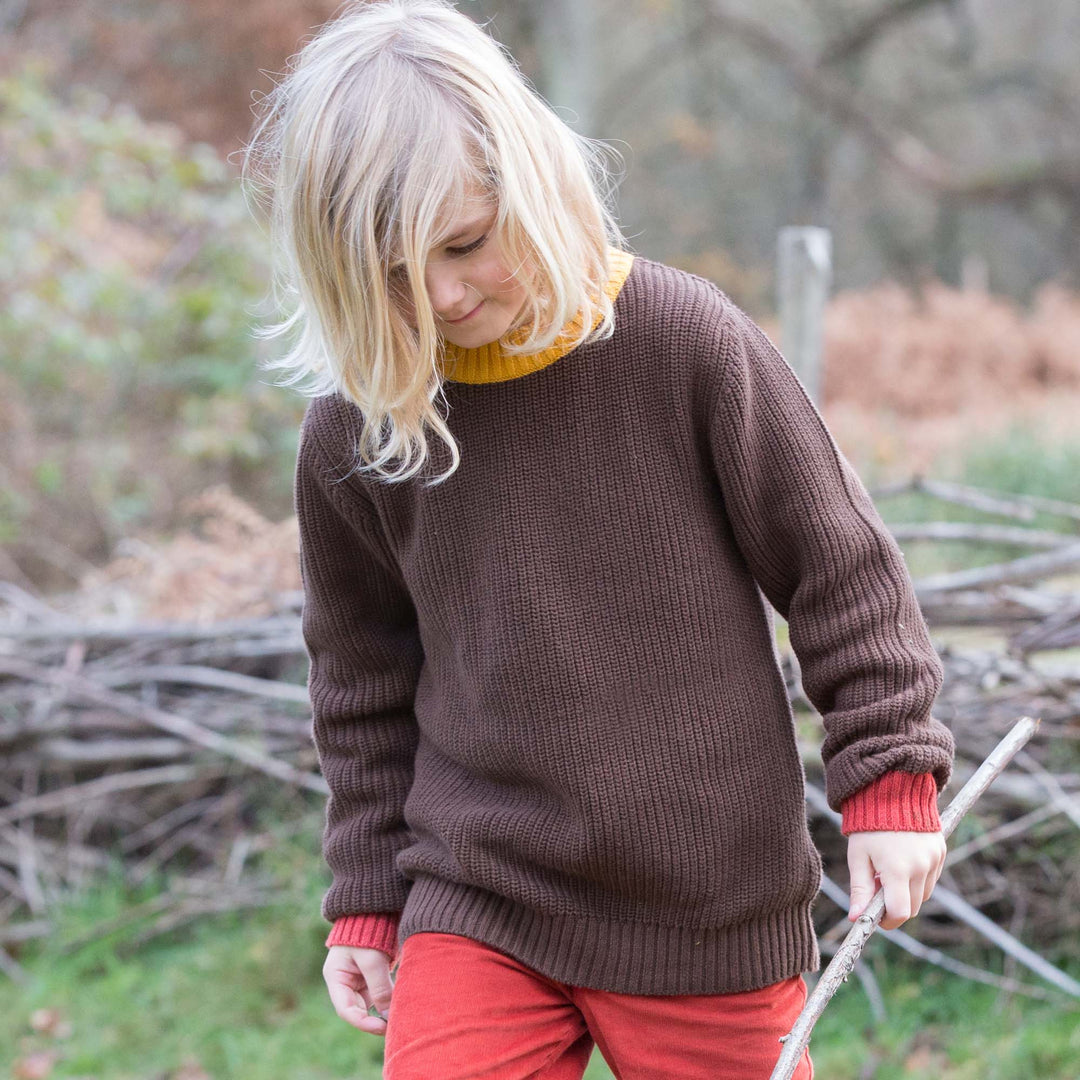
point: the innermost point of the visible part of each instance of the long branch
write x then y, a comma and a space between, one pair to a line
166, 721
843, 962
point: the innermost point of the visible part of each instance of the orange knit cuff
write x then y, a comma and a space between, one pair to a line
377, 930
895, 801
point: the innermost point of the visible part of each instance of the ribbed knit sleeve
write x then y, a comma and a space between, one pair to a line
378, 930
895, 801
360, 631
821, 553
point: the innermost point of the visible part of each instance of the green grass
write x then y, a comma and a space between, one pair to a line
941, 1026
1023, 460
1018, 461
242, 995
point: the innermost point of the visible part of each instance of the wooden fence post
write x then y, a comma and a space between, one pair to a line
804, 277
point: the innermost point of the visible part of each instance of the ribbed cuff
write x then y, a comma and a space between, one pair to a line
895, 801
378, 930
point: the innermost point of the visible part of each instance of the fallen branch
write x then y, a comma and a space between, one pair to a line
103, 786
1061, 799
959, 908
175, 725
1002, 832
118, 630
1021, 506
1061, 560
198, 675
963, 912
926, 952
841, 965
981, 534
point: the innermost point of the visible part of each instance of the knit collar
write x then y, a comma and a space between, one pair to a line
489, 363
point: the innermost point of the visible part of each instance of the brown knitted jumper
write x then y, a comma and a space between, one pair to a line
546, 694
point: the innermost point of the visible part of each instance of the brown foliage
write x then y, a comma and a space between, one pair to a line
233, 565
910, 381
949, 349
144, 54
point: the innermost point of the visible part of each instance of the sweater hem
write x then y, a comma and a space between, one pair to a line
621, 957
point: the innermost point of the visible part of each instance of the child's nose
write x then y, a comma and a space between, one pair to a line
450, 297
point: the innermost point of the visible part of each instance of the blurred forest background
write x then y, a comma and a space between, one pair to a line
938, 140
146, 469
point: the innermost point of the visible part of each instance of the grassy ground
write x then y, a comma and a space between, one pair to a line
241, 995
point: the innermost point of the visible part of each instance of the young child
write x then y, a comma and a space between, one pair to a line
565, 792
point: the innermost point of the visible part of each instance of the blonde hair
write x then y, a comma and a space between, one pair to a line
389, 119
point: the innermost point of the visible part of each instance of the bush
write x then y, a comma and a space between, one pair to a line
128, 371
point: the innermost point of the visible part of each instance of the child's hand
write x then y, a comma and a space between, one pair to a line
358, 979
907, 864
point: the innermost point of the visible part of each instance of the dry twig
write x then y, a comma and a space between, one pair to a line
840, 966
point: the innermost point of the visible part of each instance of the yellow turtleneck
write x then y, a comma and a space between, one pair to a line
489, 363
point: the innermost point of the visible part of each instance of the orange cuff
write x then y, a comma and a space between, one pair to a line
377, 930
895, 801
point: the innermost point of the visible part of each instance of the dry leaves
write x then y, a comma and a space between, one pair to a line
233, 565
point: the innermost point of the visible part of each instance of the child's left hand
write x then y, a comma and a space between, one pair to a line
907, 865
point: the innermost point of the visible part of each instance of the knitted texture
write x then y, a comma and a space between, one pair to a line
377, 930
546, 694
895, 801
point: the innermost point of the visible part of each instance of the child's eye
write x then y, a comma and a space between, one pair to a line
470, 248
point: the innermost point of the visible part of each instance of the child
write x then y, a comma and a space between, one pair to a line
564, 782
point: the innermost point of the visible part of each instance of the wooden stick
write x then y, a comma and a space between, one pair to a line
1060, 560
841, 965
930, 955
166, 721
1020, 535
200, 675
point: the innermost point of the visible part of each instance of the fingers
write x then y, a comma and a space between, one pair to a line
380, 983
907, 887
915, 894
898, 900
862, 881
906, 866
356, 980
935, 873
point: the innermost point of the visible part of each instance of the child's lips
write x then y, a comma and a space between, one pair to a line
469, 315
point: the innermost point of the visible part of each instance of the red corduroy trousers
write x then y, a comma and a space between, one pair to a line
462, 1010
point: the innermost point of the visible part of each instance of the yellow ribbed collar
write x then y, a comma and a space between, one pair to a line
488, 363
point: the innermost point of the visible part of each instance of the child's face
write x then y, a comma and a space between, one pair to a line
466, 276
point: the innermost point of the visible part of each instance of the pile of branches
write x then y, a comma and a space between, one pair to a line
151, 742
1011, 883
157, 740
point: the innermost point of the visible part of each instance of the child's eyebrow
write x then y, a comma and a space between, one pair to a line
476, 223
468, 229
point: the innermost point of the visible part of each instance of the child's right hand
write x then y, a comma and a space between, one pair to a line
358, 979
